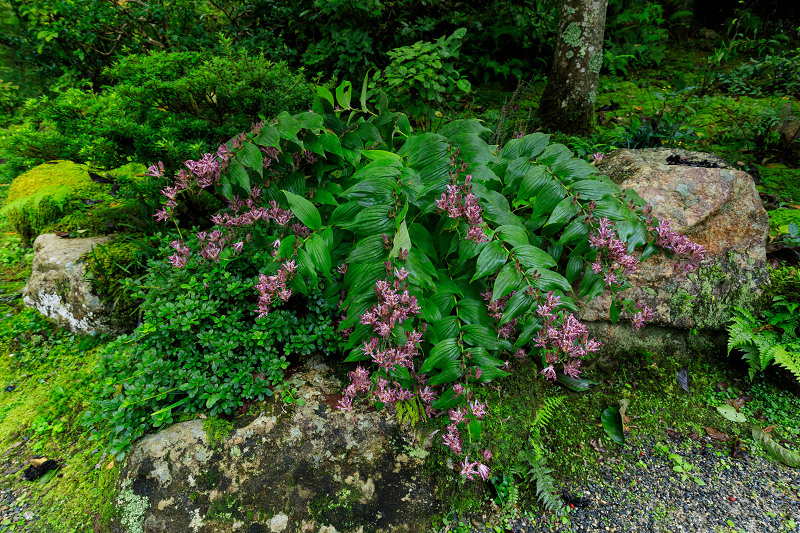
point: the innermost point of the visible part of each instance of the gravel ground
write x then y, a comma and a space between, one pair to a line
642, 493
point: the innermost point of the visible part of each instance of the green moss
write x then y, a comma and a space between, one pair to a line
217, 429
783, 182
786, 283
106, 268
779, 220
63, 190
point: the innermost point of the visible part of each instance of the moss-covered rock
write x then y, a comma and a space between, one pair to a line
308, 467
61, 195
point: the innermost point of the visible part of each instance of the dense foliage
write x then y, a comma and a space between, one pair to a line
444, 255
165, 105
200, 347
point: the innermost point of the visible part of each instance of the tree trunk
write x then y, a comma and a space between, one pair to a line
568, 101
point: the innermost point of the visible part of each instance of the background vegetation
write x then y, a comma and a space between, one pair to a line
112, 87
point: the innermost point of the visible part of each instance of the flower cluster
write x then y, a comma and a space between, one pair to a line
612, 257
452, 437
460, 202
562, 337
271, 287
680, 245
395, 305
181, 255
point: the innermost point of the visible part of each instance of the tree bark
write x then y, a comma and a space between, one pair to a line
567, 104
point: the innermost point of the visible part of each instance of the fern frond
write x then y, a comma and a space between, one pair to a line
545, 488
741, 330
751, 355
546, 412
790, 360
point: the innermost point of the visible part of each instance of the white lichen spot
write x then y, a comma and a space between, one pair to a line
295, 433
197, 520
236, 452
133, 508
278, 523
572, 34
190, 480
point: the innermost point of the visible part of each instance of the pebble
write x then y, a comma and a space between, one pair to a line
755, 494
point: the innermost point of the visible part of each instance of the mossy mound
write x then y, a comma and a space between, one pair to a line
62, 196
783, 182
779, 220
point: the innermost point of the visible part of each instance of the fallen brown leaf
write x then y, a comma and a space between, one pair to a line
716, 434
674, 434
39, 461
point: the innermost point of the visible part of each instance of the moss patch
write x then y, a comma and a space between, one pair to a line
61, 195
106, 267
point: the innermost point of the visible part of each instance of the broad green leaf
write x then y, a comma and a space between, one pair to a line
518, 171
251, 157
310, 121
344, 93
576, 384
574, 268
589, 279
576, 231
444, 352
497, 210
507, 280
269, 137
447, 400
553, 154
383, 155
286, 247
320, 254
371, 220
614, 311
483, 336
447, 327
513, 235
473, 311
563, 213
573, 169
594, 189
345, 212
533, 258
490, 259
517, 305
401, 240
238, 175
612, 425
369, 249
373, 191
533, 182
731, 413
288, 126
331, 143
490, 366
550, 280
304, 210
449, 374
776, 451
548, 198
421, 238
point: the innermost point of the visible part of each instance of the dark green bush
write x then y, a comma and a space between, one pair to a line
167, 106
200, 346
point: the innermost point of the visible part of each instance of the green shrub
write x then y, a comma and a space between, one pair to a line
62, 195
422, 76
164, 106
200, 347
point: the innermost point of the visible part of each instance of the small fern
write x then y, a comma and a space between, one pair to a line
768, 338
545, 413
545, 487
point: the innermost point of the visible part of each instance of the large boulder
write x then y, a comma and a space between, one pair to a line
304, 467
58, 287
715, 206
